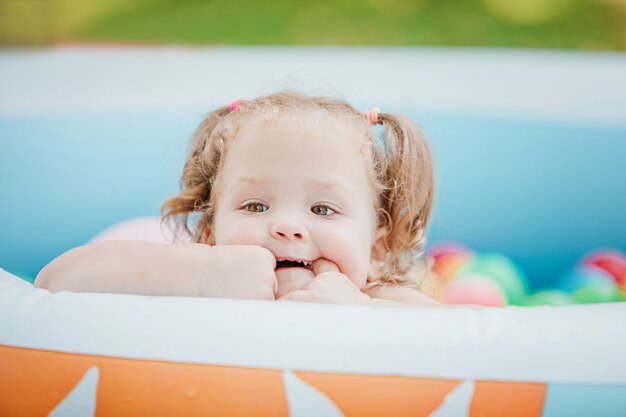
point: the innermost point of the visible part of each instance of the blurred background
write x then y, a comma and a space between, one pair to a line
567, 24
523, 103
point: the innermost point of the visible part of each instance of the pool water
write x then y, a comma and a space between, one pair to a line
543, 193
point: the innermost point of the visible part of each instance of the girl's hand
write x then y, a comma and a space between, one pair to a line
328, 286
239, 271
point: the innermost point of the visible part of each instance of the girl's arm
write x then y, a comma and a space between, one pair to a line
148, 268
129, 267
398, 296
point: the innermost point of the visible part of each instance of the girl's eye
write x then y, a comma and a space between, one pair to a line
255, 207
322, 210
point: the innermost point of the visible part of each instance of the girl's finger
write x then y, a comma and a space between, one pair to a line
324, 265
293, 296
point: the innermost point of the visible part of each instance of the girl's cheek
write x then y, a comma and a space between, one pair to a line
346, 252
239, 239
236, 232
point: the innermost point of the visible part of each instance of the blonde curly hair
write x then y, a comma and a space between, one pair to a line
400, 169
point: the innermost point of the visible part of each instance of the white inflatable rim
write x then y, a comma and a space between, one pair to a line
570, 344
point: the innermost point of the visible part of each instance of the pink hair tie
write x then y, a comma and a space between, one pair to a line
236, 105
372, 115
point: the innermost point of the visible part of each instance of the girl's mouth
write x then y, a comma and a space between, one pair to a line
293, 264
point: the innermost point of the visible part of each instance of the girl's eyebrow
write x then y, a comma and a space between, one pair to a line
252, 181
335, 185
329, 185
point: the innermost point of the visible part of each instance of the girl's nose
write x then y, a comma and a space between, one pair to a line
289, 231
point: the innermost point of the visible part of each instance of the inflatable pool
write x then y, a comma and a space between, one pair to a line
72, 354
526, 142
530, 152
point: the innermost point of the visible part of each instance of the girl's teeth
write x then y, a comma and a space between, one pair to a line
305, 263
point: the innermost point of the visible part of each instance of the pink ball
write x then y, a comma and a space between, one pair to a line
141, 228
474, 290
445, 249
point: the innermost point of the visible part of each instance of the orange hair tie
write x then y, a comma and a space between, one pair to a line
372, 116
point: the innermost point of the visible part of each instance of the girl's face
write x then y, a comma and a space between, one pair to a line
301, 191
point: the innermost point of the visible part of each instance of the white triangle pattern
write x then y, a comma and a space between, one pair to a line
305, 401
81, 401
457, 403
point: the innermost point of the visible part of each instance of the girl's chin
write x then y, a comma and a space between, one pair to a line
292, 279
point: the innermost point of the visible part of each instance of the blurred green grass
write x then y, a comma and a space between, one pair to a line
568, 24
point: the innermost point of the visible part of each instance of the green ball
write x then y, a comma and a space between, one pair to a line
597, 293
502, 271
549, 298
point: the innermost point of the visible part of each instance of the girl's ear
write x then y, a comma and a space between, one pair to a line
207, 237
378, 253
378, 248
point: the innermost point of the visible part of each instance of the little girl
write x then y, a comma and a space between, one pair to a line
287, 197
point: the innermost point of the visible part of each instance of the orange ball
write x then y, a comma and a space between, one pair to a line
447, 266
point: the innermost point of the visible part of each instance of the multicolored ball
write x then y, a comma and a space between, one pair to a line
476, 289
549, 297
502, 271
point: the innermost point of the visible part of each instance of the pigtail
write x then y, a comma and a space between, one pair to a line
408, 195
196, 183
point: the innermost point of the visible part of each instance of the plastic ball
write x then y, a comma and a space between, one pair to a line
141, 228
598, 293
585, 276
447, 266
549, 298
478, 290
448, 259
447, 249
502, 271
611, 262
